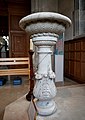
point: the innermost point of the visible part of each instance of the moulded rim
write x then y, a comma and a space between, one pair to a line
44, 17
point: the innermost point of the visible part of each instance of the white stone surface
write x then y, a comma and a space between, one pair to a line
43, 28
59, 68
44, 22
44, 75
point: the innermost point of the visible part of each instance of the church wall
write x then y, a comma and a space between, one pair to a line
44, 5
66, 7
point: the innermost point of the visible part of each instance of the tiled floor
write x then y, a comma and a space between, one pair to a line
9, 92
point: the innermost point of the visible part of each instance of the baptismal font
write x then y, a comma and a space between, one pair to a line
44, 29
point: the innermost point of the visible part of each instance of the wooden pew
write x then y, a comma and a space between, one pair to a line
9, 62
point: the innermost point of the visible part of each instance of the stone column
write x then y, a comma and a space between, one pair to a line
79, 12
81, 17
45, 89
44, 5
43, 28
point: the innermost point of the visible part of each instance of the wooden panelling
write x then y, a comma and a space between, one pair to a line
83, 56
71, 46
72, 55
83, 45
74, 59
77, 56
66, 47
83, 72
19, 44
74, 70
66, 66
71, 68
78, 46
19, 8
66, 55
14, 22
19, 40
78, 70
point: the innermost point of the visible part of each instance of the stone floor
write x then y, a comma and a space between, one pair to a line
70, 102
9, 92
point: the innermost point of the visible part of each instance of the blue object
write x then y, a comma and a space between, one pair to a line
2, 81
17, 81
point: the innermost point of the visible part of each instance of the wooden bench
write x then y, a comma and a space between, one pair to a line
9, 62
